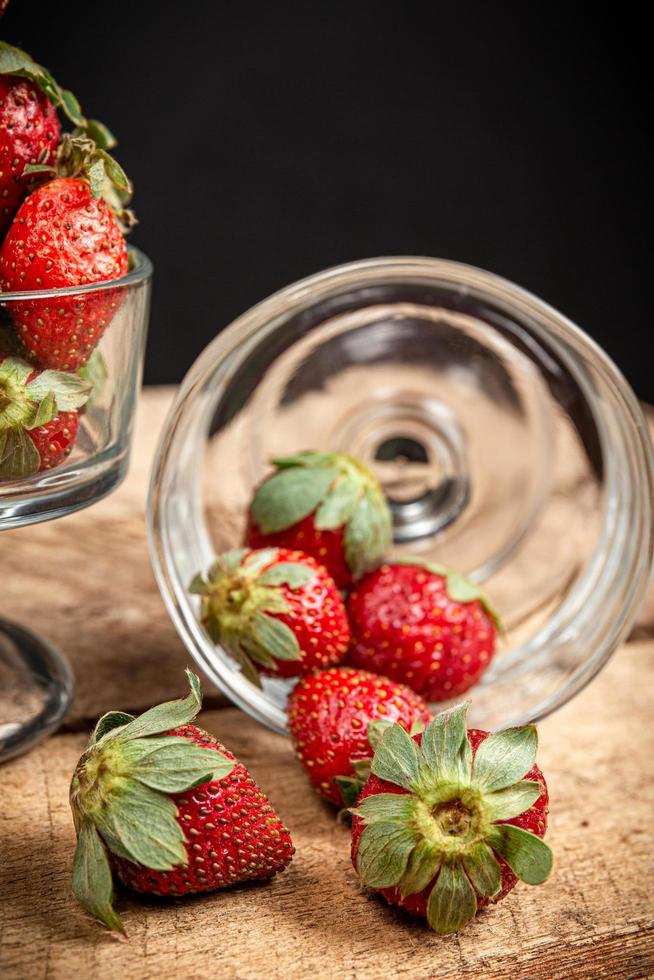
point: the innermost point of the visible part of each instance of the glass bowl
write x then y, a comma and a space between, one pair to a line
508, 444
36, 683
100, 455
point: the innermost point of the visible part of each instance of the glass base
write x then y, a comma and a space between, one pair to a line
36, 689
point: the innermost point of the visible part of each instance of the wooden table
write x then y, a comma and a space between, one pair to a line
88, 579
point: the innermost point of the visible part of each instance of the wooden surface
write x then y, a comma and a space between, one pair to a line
89, 578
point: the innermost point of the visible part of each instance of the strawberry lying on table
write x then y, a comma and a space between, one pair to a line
163, 805
451, 819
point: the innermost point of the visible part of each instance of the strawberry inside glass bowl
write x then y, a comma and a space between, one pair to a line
507, 443
65, 435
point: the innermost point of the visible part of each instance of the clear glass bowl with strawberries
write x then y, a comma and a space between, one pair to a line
66, 418
507, 447
74, 303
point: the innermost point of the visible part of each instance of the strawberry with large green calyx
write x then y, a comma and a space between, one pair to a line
38, 416
451, 819
120, 799
274, 611
328, 505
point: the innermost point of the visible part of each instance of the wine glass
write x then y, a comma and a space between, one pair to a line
508, 444
36, 683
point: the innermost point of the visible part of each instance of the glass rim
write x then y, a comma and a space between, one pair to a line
140, 273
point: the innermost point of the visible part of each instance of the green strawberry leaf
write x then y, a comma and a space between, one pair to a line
101, 135
289, 496
306, 458
361, 769
19, 456
288, 573
96, 175
368, 534
384, 849
503, 804
483, 870
115, 172
350, 787
257, 560
144, 822
445, 745
46, 411
109, 722
339, 505
389, 807
398, 758
92, 881
452, 901
15, 369
375, 730
505, 757
69, 390
199, 585
39, 168
172, 764
422, 866
527, 855
275, 637
171, 714
244, 660
95, 373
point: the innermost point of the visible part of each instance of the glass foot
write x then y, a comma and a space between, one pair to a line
36, 688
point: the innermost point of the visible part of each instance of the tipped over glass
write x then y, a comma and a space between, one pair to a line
509, 446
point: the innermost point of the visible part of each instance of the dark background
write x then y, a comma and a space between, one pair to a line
268, 141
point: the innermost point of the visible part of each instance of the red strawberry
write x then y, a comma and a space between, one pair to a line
451, 819
274, 610
171, 811
29, 133
38, 417
328, 505
336, 718
54, 440
63, 236
424, 625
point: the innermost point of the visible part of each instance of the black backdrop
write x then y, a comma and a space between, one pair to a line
267, 141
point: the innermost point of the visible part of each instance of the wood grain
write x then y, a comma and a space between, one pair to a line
593, 919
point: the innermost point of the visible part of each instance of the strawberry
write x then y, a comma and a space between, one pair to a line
68, 232
336, 719
163, 805
423, 625
38, 417
29, 133
63, 236
273, 610
29, 127
327, 505
451, 819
